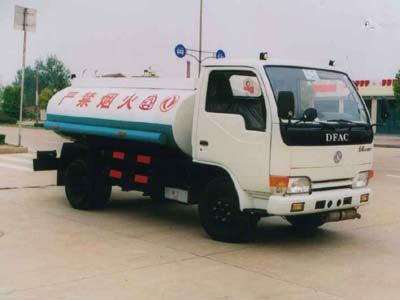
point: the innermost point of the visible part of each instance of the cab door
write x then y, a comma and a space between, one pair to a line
232, 127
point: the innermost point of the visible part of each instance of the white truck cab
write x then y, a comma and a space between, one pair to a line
287, 167
250, 139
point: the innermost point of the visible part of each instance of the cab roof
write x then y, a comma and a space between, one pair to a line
257, 63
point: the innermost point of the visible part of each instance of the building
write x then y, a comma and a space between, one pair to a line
374, 94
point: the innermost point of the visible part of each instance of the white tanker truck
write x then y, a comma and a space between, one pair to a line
249, 139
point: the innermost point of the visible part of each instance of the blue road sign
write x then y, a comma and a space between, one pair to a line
220, 54
180, 51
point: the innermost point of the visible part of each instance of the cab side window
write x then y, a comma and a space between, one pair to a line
237, 92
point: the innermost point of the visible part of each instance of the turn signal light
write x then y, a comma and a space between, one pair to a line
278, 184
371, 174
278, 181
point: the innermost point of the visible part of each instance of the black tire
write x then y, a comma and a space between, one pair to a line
220, 214
307, 222
84, 189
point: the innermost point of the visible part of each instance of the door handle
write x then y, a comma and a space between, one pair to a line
203, 143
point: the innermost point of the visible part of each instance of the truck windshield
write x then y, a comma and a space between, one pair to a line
330, 93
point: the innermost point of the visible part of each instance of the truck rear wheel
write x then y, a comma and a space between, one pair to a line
84, 189
220, 214
307, 222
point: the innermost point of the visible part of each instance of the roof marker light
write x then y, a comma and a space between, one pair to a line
264, 56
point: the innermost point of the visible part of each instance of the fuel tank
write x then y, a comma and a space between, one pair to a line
144, 109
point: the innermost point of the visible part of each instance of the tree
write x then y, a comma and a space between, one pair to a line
29, 85
52, 73
44, 97
11, 100
396, 90
1, 97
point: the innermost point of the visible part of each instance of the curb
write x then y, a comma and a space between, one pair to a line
23, 126
7, 149
387, 146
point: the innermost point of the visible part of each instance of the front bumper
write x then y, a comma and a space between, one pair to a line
314, 203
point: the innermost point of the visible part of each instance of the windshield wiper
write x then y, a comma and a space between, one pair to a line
323, 124
350, 123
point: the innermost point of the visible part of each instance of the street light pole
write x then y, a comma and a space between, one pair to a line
22, 80
200, 35
37, 97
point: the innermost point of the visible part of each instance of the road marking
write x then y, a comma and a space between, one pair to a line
394, 176
18, 162
15, 167
28, 155
17, 159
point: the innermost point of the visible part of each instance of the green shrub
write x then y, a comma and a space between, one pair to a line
30, 115
5, 119
11, 100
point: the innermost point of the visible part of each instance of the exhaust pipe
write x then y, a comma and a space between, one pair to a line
341, 215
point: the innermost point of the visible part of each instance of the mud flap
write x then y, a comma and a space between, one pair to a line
46, 161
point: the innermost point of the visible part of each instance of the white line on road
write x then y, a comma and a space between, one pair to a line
25, 160
15, 167
394, 176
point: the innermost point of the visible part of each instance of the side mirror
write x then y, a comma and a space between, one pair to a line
310, 114
285, 104
384, 109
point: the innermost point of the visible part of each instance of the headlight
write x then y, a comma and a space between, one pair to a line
299, 185
361, 180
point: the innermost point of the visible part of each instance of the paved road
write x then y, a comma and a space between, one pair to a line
139, 250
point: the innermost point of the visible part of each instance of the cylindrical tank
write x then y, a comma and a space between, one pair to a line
145, 109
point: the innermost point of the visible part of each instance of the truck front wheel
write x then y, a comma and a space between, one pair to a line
84, 189
220, 214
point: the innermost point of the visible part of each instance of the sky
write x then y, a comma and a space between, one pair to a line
128, 36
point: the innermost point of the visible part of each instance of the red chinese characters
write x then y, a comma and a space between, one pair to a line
168, 103
69, 95
107, 100
148, 103
128, 101
86, 99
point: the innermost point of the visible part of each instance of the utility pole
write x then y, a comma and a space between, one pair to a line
25, 20
37, 97
201, 36
21, 103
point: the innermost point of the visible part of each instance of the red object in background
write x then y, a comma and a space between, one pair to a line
325, 88
362, 83
388, 82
